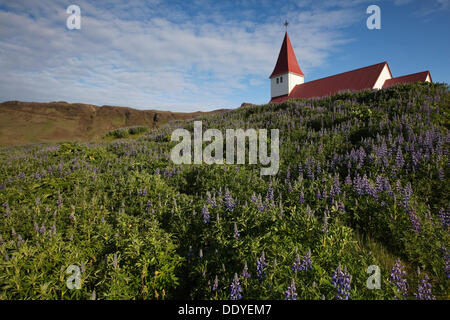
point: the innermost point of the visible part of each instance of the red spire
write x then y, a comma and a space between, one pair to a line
287, 62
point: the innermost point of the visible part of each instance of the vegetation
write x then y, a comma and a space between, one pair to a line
363, 181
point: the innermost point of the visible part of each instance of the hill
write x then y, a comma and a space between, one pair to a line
363, 182
30, 122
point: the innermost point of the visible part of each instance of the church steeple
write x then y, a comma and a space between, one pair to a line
287, 73
287, 61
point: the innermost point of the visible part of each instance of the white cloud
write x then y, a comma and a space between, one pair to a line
149, 55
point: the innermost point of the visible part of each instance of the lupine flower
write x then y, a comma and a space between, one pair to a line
245, 273
444, 217
301, 198
200, 254
260, 264
415, 223
341, 280
236, 232
348, 180
206, 216
53, 230
115, 263
42, 229
7, 211
397, 279
297, 264
216, 284
235, 289
291, 293
424, 290
399, 161
229, 203
325, 222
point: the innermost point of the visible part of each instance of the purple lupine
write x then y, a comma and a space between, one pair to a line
235, 289
206, 216
336, 186
397, 279
270, 195
415, 223
59, 201
444, 217
304, 265
348, 179
260, 264
297, 264
291, 293
53, 230
216, 284
229, 202
245, 274
7, 211
301, 198
441, 174
399, 161
424, 290
341, 280
236, 232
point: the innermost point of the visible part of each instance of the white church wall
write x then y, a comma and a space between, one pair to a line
384, 75
428, 78
295, 79
290, 80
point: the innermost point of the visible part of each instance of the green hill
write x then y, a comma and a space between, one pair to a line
363, 181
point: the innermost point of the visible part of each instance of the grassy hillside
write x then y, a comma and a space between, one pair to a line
30, 122
363, 181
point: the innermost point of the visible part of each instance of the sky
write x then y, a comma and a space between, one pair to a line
203, 55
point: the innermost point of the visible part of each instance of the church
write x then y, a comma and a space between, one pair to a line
287, 80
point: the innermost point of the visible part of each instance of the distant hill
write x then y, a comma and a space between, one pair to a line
29, 122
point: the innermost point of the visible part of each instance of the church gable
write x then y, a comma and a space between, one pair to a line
376, 76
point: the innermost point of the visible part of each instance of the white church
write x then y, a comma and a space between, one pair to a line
287, 80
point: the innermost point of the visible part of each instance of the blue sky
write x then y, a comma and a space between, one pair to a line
204, 55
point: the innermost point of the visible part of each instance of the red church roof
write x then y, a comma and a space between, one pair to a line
287, 61
414, 77
359, 79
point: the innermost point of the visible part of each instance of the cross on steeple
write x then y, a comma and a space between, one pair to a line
286, 23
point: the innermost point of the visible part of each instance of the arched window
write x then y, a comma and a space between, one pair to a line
278, 80
281, 79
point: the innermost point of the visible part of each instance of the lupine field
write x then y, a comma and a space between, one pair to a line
363, 181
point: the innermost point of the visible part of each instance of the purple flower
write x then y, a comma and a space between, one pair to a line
206, 216
216, 284
304, 265
341, 280
396, 278
245, 273
291, 293
229, 203
301, 198
424, 290
444, 217
260, 264
235, 289
415, 223
236, 232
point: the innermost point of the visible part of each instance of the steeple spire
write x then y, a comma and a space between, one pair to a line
287, 61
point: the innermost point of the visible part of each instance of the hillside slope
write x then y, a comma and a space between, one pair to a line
363, 181
27, 122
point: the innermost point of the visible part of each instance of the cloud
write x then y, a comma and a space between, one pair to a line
150, 54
